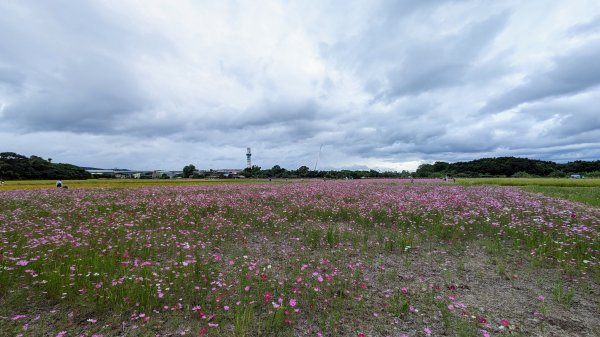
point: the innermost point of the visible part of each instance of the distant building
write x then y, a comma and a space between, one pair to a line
576, 176
228, 172
143, 175
97, 173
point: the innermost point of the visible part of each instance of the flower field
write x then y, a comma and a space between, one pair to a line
310, 258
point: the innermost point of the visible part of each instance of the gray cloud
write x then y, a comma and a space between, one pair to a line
382, 84
395, 60
450, 61
68, 72
570, 74
589, 27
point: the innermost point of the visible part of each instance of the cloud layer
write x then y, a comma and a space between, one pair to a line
379, 84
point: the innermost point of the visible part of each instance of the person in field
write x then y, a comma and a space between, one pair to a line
59, 183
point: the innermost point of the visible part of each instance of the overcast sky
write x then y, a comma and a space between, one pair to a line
379, 84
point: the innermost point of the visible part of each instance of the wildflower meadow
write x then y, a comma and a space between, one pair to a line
299, 258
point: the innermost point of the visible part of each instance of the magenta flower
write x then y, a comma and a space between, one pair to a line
293, 303
504, 322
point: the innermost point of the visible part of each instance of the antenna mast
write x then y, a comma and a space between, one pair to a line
318, 156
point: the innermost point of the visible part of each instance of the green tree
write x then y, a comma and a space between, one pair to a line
254, 172
424, 170
302, 171
277, 171
188, 170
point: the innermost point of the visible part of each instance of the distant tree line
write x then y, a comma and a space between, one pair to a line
508, 167
14, 166
304, 172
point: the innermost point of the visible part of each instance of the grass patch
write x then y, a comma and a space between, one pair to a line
559, 182
120, 183
586, 195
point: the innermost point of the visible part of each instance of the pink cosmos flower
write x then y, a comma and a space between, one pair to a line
427, 331
18, 317
226, 308
293, 303
485, 333
504, 322
267, 297
22, 263
404, 290
541, 298
61, 334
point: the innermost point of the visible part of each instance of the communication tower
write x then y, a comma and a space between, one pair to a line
248, 160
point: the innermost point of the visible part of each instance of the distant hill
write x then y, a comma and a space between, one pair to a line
508, 167
14, 166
